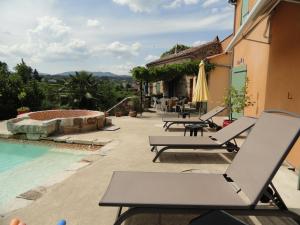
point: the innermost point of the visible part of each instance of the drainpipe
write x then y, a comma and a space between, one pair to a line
232, 59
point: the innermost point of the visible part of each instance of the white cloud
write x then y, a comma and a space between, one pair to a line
149, 5
49, 40
49, 29
133, 28
208, 3
124, 68
200, 42
121, 69
92, 23
139, 5
178, 3
150, 58
215, 10
119, 49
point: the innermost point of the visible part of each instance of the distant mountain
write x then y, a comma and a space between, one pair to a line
97, 74
100, 75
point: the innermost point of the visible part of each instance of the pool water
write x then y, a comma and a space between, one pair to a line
25, 166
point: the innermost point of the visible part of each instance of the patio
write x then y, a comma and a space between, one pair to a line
76, 198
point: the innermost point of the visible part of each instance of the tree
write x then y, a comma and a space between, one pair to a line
3, 69
169, 72
36, 75
175, 49
81, 89
24, 71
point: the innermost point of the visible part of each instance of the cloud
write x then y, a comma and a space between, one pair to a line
121, 69
178, 3
92, 23
149, 5
124, 68
215, 10
49, 40
150, 58
208, 3
200, 42
119, 49
49, 29
133, 28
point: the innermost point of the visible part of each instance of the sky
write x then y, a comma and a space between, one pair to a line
56, 36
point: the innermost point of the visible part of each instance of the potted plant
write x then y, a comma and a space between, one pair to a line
236, 101
118, 113
21, 96
23, 110
134, 106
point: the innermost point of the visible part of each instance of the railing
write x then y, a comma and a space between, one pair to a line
119, 103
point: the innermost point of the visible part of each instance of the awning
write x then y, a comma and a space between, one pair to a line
259, 10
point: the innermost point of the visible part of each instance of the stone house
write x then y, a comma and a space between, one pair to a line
218, 79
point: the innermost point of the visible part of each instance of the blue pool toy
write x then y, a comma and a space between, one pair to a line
62, 222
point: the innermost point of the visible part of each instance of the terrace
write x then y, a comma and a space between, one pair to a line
76, 198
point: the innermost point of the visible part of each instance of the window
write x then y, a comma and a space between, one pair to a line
245, 10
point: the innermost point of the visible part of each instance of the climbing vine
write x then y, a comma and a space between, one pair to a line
168, 72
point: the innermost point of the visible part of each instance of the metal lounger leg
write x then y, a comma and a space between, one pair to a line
159, 153
153, 148
168, 126
119, 213
165, 124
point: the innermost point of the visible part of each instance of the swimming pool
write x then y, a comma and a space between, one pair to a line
25, 166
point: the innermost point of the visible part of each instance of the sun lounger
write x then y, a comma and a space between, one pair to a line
219, 140
204, 119
237, 191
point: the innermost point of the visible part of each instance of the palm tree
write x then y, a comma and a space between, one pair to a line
81, 89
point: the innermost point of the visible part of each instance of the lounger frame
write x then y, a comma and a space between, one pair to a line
209, 121
230, 145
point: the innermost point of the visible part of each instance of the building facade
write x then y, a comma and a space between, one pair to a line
218, 79
266, 55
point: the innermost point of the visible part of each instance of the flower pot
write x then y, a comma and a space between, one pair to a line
23, 110
133, 113
118, 114
227, 122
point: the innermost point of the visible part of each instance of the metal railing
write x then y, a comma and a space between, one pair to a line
119, 103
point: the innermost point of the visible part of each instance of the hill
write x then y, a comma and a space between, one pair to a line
100, 75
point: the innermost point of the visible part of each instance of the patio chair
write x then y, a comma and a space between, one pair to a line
204, 119
223, 139
238, 191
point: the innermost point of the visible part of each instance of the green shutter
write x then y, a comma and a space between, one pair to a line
238, 82
245, 10
157, 87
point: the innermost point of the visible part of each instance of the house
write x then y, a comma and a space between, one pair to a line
183, 86
266, 55
219, 78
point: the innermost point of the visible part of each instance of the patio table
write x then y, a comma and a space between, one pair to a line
194, 128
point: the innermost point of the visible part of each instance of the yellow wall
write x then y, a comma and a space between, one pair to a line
254, 53
273, 69
283, 84
218, 81
226, 42
283, 89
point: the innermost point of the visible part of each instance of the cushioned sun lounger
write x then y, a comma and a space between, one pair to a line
238, 191
204, 119
219, 140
